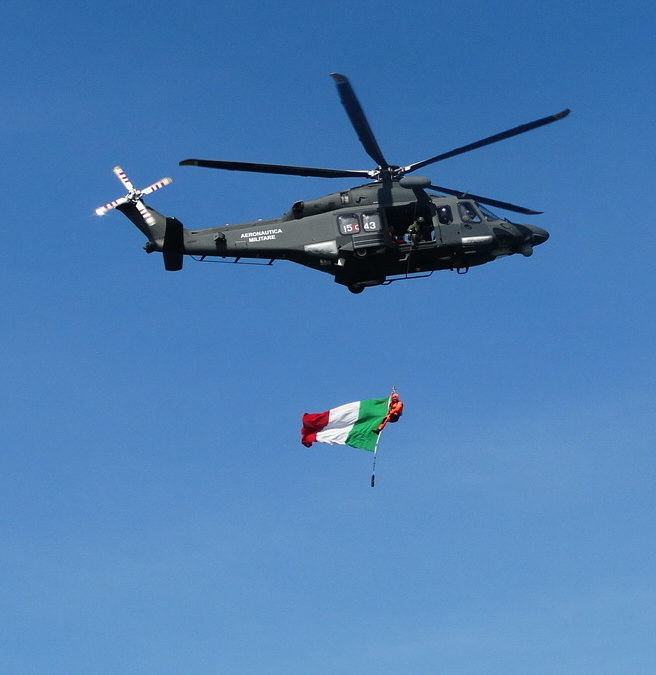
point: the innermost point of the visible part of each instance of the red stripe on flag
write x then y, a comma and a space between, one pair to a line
312, 424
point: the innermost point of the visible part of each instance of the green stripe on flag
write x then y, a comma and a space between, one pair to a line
372, 413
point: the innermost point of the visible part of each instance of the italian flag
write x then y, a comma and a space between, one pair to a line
349, 424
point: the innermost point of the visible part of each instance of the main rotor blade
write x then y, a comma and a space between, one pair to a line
515, 131
276, 168
486, 200
358, 119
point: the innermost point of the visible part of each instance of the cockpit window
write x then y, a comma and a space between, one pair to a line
468, 213
488, 215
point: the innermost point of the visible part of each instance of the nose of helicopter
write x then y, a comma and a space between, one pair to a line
538, 235
530, 236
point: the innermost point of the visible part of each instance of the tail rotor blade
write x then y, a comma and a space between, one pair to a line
120, 174
156, 186
145, 214
102, 210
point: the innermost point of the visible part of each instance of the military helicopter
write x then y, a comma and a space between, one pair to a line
388, 229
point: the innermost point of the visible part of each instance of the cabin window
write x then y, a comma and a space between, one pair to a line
348, 224
468, 213
444, 215
371, 222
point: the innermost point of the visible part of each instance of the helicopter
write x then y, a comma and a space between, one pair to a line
393, 227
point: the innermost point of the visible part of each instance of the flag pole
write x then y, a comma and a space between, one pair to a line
373, 468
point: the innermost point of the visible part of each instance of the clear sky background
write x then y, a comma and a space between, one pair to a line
157, 511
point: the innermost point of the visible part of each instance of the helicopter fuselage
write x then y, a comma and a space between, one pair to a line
363, 236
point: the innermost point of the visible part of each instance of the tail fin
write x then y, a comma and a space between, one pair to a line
165, 235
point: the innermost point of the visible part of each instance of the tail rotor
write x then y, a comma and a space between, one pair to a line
134, 195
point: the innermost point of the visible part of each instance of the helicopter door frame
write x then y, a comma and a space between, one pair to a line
449, 233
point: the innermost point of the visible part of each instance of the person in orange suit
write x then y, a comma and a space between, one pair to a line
394, 411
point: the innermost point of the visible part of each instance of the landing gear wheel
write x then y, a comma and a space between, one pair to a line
356, 288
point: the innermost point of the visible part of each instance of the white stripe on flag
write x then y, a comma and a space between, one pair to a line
340, 423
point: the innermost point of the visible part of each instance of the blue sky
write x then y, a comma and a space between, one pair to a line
158, 513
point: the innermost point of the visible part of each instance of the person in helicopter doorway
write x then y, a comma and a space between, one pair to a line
420, 230
394, 411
